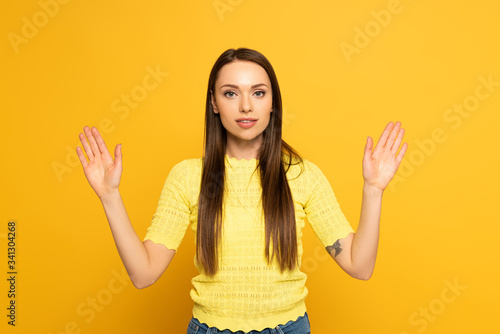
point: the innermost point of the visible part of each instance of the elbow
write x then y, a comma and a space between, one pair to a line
362, 275
142, 283
361, 272
139, 286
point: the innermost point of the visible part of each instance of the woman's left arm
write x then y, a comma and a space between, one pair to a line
379, 167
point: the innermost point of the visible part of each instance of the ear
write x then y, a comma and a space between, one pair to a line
213, 102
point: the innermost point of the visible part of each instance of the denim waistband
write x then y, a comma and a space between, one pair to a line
299, 326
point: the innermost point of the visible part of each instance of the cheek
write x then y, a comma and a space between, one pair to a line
267, 120
224, 121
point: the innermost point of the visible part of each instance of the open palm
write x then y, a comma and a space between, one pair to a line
380, 166
102, 173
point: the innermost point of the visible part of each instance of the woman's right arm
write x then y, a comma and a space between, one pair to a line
144, 261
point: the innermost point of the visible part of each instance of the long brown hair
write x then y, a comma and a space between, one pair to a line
277, 202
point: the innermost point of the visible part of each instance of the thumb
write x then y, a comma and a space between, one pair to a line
368, 147
118, 155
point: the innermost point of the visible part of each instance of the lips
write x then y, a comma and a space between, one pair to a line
246, 123
245, 119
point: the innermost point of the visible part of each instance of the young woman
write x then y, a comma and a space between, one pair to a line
246, 200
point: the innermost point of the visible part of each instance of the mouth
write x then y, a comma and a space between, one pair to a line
246, 123
246, 120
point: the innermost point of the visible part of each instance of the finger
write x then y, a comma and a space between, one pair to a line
395, 146
392, 136
102, 145
93, 143
87, 148
401, 154
81, 156
383, 137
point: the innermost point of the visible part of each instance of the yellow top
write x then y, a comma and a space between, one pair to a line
246, 293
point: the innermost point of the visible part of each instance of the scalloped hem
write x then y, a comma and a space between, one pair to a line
250, 324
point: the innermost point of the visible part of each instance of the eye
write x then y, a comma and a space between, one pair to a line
228, 92
261, 91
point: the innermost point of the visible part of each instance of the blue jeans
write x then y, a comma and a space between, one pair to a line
299, 326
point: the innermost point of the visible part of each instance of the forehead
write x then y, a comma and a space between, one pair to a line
242, 73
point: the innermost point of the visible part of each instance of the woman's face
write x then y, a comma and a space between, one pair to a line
243, 90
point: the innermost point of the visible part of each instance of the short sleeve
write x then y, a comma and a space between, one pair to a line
323, 211
171, 218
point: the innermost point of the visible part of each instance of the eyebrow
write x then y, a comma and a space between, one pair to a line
236, 86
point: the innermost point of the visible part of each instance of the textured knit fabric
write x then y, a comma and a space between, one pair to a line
246, 293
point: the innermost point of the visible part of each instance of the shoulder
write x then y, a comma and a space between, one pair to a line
312, 172
306, 165
303, 169
185, 167
309, 165
187, 163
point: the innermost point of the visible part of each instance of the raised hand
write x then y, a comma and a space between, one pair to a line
380, 166
102, 173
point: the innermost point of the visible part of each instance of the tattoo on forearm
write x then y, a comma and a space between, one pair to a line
335, 246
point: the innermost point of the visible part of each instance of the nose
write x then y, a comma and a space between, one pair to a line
245, 103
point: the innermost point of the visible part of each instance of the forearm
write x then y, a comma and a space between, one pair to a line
365, 242
131, 249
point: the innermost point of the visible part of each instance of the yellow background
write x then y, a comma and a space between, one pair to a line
438, 224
